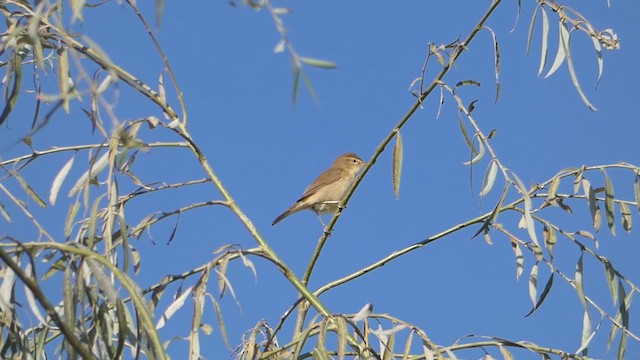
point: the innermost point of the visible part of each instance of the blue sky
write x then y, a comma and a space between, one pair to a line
238, 95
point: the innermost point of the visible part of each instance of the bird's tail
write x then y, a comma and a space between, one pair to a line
293, 209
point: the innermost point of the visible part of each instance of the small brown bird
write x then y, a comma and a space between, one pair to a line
325, 193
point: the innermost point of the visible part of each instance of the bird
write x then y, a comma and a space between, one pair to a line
324, 194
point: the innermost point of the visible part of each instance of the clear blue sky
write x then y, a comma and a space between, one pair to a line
238, 95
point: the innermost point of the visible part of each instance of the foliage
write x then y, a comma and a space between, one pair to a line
101, 311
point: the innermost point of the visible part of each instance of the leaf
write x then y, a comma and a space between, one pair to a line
59, 179
593, 205
177, 303
611, 279
63, 77
466, 137
527, 209
578, 180
323, 64
16, 64
519, 258
553, 189
544, 294
76, 8
94, 170
624, 315
598, 47
609, 205
71, 215
506, 354
279, 46
478, 157
626, 216
560, 54
496, 61
533, 284
550, 239
4, 213
587, 334
397, 164
343, 336
636, 191
578, 282
489, 178
28, 189
494, 214
296, 85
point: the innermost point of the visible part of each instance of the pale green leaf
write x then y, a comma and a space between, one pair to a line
319, 63
609, 205
626, 216
533, 284
560, 54
397, 164
59, 179
489, 178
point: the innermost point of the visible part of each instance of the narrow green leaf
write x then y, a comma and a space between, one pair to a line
397, 164
609, 205
578, 282
95, 168
479, 156
466, 137
178, 302
489, 178
565, 37
550, 239
59, 179
533, 284
4, 213
553, 188
594, 208
221, 325
598, 48
626, 216
159, 12
506, 354
587, 334
624, 315
28, 189
76, 8
319, 63
296, 85
544, 294
33, 30
494, 214
71, 215
16, 66
519, 258
279, 46
407, 346
544, 50
63, 77
527, 209
343, 336
309, 86
636, 190
496, 61
577, 181
612, 280
560, 54
532, 25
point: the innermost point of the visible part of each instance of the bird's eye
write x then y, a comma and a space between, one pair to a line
354, 161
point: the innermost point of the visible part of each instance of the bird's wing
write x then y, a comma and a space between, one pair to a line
329, 176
